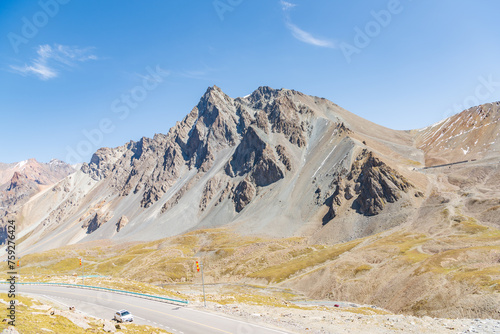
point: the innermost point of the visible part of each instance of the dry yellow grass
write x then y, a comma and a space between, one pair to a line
304, 259
457, 256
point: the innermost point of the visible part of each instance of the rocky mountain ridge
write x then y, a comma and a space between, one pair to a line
276, 162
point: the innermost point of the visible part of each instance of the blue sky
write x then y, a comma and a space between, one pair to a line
78, 75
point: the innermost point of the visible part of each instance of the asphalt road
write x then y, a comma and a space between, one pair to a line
173, 318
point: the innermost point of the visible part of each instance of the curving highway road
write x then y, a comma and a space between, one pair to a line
173, 318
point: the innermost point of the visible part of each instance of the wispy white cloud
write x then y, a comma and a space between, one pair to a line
306, 37
195, 74
51, 59
203, 73
287, 5
301, 34
152, 78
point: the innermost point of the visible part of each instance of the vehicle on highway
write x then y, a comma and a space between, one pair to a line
123, 316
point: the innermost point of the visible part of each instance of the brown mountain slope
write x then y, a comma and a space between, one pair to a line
472, 134
21, 181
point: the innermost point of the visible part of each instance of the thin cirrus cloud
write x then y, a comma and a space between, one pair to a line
300, 34
50, 60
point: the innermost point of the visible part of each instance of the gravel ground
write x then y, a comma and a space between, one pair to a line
323, 320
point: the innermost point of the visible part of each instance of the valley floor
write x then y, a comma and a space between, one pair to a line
313, 317
325, 320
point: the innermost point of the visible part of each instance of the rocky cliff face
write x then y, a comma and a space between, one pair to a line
152, 166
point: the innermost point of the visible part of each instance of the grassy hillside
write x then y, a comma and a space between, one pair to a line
455, 272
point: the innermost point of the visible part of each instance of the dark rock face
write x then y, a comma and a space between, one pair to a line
266, 170
335, 200
243, 194
261, 121
16, 181
371, 184
255, 158
248, 153
376, 185
95, 222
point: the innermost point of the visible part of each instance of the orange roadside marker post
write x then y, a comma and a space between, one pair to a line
83, 270
202, 281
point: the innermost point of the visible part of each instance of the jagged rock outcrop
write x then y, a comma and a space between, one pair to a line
368, 187
243, 194
261, 121
284, 117
254, 157
247, 154
284, 157
102, 162
342, 130
151, 166
122, 222
376, 184
16, 181
211, 188
95, 221
266, 171
175, 199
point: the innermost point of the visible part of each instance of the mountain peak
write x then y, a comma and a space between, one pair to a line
214, 99
211, 91
214, 87
264, 92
